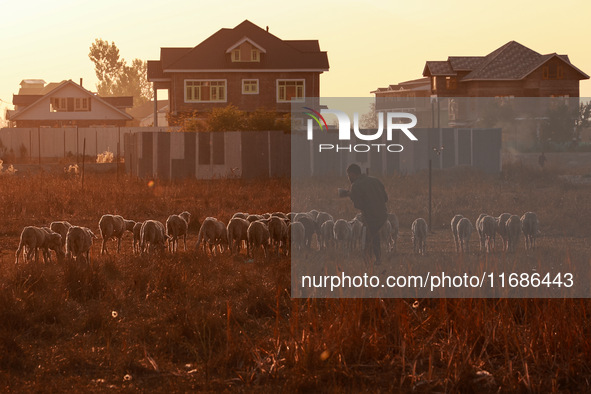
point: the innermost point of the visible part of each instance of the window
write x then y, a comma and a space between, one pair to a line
82, 104
236, 55
204, 90
254, 55
451, 83
553, 71
58, 104
250, 86
288, 89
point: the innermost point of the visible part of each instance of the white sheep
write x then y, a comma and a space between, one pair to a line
479, 230
61, 227
153, 236
237, 233
356, 234
327, 235
323, 217
310, 226
513, 226
240, 215
342, 234
176, 226
296, 234
213, 233
113, 226
278, 232
385, 234
34, 238
395, 229
488, 227
531, 228
419, 235
464, 229
258, 236
502, 228
79, 242
454, 230
53, 241
137, 237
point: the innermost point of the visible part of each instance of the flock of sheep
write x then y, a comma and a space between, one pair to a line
279, 231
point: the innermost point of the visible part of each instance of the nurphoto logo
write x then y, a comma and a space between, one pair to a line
393, 122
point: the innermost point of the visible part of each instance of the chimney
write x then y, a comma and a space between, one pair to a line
267, 28
80, 82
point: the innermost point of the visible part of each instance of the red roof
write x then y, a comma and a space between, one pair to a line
512, 61
211, 54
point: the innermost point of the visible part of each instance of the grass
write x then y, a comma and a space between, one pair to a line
185, 323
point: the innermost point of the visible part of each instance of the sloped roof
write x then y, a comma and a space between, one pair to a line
413, 84
512, 61
60, 86
211, 53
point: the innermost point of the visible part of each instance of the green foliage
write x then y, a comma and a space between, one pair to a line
228, 118
497, 112
115, 77
260, 120
559, 125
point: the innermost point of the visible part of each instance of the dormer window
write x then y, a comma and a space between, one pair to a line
245, 51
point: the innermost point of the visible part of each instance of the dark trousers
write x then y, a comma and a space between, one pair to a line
373, 241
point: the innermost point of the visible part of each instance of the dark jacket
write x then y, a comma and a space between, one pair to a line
369, 196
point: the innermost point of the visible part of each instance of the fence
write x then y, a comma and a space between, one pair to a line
54, 143
208, 155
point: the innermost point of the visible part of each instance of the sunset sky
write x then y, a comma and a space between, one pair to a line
369, 44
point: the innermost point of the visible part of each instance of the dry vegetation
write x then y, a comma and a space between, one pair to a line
183, 323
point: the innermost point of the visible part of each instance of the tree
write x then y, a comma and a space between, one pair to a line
115, 77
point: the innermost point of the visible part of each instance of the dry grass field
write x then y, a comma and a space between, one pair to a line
180, 323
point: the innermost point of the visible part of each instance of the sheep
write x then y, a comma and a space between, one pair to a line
311, 228
479, 230
395, 228
513, 227
530, 227
464, 230
214, 233
237, 233
176, 226
327, 240
356, 234
61, 227
240, 215
419, 235
153, 236
296, 217
296, 233
280, 215
34, 238
323, 217
277, 232
53, 241
258, 236
454, 230
79, 242
385, 234
137, 236
113, 226
502, 229
253, 218
488, 226
313, 214
342, 234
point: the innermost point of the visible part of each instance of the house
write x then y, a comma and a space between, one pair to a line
409, 96
245, 66
65, 103
143, 115
511, 70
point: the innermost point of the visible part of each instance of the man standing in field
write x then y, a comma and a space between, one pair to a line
369, 196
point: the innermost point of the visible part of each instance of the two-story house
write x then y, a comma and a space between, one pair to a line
245, 66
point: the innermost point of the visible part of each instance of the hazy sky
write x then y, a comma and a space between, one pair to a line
370, 44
